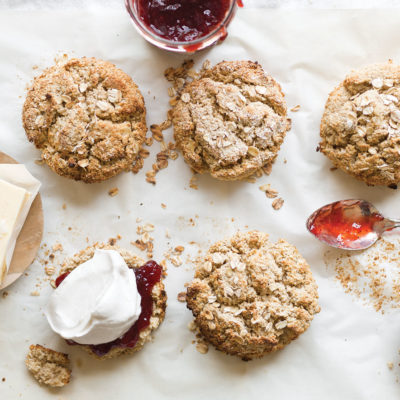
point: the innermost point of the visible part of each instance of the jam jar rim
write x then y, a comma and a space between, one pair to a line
172, 45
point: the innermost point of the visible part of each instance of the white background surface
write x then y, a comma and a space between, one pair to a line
345, 352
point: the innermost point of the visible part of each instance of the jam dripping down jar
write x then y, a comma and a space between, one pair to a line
182, 26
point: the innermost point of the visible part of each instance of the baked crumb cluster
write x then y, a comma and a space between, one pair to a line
48, 367
251, 296
231, 121
87, 117
360, 128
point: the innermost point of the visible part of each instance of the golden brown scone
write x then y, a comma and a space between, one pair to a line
360, 128
231, 121
48, 367
159, 297
87, 117
250, 296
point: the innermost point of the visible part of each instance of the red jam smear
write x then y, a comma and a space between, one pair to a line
182, 20
146, 277
334, 225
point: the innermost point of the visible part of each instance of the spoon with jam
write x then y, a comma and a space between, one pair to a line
349, 224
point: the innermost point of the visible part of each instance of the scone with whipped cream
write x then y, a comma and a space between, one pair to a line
88, 119
231, 121
251, 296
360, 128
107, 300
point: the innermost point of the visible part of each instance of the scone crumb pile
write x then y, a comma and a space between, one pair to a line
145, 241
48, 367
178, 76
372, 275
251, 296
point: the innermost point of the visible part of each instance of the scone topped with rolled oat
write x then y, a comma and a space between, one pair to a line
360, 128
231, 121
107, 300
87, 117
250, 296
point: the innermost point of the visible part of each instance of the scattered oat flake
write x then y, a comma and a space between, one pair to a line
50, 270
295, 108
202, 348
390, 365
35, 293
163, 205
113, 192
64, 206
277, 203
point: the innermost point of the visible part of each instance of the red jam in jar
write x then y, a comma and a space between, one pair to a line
146, 277
182, 20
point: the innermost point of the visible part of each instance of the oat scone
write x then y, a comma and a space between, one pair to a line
158, 294
360, 128
231, 121
250, 296
87, 117
48, 367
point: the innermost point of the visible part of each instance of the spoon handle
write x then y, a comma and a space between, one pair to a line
390, 223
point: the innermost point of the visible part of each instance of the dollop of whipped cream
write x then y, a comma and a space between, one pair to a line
97, 302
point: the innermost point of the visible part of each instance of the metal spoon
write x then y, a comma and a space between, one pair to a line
349, 224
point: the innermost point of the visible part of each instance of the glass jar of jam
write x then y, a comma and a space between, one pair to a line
182, 26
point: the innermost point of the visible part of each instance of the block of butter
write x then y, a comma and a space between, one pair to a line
18, 189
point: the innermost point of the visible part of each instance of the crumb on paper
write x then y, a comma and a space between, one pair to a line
39, 162
113, 192
333, 169
182, 297
164, 206
295, 108
4, 294
113, 240
57, 247
390, 365
35, 293
193, 182
277, 204
64, 206
49, 270
372, 276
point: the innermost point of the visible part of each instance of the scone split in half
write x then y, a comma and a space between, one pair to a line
250, 296
116, 301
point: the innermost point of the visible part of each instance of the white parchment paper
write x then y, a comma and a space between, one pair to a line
345, 352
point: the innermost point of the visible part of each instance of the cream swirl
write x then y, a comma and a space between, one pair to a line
98, 301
